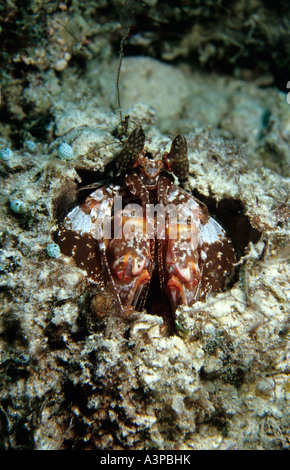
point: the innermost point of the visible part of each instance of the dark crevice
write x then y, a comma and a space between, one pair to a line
231, 214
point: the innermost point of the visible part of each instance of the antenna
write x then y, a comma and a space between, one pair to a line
127, 20
121, 55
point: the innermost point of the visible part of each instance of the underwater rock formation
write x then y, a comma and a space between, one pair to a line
83, 377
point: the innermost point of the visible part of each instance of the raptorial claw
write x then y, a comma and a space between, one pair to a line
129, 268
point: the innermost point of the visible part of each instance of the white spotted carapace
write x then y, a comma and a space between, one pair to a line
148, 240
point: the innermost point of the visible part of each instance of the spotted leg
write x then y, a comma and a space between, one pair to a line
86, 232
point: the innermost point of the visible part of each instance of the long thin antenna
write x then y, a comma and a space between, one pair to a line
121, 55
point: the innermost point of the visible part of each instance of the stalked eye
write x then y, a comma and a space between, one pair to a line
131, 150
177, 157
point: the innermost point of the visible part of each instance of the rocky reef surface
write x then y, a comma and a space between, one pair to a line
74, 374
